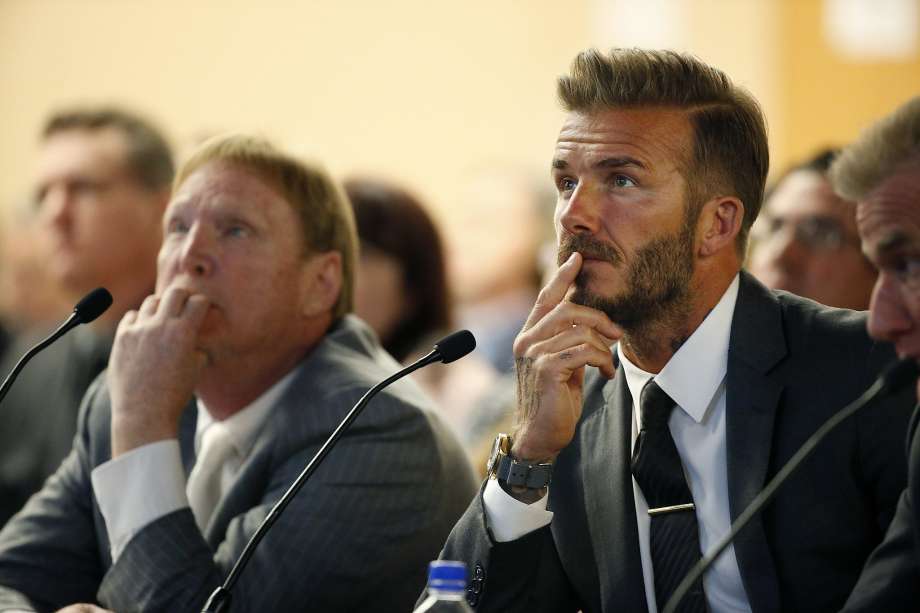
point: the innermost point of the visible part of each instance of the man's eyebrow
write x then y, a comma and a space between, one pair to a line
619, 162
614, 162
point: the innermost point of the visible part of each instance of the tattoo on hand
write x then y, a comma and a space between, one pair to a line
528, 399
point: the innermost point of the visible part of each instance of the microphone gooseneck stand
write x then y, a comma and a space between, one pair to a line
448, 349
89, 308
895, 377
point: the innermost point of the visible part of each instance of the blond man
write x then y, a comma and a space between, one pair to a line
220, 387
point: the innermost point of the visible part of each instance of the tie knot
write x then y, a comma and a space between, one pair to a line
656, 406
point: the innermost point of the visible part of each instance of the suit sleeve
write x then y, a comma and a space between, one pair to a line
523, 575
356, 537
881, 431
49, 556
890, 581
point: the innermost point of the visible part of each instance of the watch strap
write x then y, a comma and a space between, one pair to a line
523, 474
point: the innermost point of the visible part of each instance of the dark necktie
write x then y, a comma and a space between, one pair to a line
673, 535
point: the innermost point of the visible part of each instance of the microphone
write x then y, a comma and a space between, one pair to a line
447, 350
89, 308
893, 379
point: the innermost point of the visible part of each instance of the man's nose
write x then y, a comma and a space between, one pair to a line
198, 252
55, 206
581, 212
889, 315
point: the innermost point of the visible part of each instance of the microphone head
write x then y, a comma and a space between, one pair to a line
901, 373
93, 305
455, 346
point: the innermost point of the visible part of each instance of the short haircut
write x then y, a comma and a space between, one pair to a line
325, 216
878, 152
392, 220
730, 153
149, 157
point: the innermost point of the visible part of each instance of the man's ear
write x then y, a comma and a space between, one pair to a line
719, 225
322, 283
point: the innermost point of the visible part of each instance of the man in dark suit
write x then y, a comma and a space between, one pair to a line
715, 381
161, 492
881, 173
102, 182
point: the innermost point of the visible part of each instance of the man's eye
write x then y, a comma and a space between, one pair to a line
176, 226
567, 184
910, 268
623, 181
237, 231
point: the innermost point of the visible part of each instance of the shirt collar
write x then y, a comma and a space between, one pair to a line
693, 374
243, 426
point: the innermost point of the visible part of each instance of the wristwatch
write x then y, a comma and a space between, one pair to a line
516, 473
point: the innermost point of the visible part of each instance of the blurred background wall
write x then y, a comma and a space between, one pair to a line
428, 92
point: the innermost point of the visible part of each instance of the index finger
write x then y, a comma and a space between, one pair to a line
555, 290
195, 309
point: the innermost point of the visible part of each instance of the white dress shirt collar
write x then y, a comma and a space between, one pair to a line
693, 374
243, 426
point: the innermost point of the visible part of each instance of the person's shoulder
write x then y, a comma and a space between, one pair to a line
342, 368
816, 331
807, 313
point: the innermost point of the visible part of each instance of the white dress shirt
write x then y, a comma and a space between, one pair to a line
138, 487
694, 378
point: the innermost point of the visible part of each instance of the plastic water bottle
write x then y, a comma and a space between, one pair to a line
446, 588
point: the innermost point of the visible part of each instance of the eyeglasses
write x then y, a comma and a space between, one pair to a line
814, 233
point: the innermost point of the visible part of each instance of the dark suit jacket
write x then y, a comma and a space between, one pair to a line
792, 364
356, 538
891, 580
38, 417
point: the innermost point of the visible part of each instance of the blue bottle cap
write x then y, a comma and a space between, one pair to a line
447, 575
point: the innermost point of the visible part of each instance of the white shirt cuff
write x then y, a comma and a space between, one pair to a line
510, 518
138, 488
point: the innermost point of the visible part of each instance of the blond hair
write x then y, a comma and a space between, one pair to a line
730, 153
326, 217
878, 152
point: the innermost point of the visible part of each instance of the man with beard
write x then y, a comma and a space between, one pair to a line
715, 381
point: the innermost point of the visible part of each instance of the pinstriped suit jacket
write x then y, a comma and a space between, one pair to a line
792, 364
357, 537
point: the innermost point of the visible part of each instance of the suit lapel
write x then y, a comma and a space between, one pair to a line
609, 503
752, 398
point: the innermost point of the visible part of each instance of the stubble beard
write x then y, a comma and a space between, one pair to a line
655, 303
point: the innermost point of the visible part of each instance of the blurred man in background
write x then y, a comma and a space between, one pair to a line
805, 240
102, 182
881, 173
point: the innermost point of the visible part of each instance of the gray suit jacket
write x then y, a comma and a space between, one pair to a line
792, 364
38, 417
356, 538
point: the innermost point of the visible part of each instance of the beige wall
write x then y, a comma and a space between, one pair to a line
826, 98
416, 90
420, 91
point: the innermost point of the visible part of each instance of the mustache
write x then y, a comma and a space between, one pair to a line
589, 247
